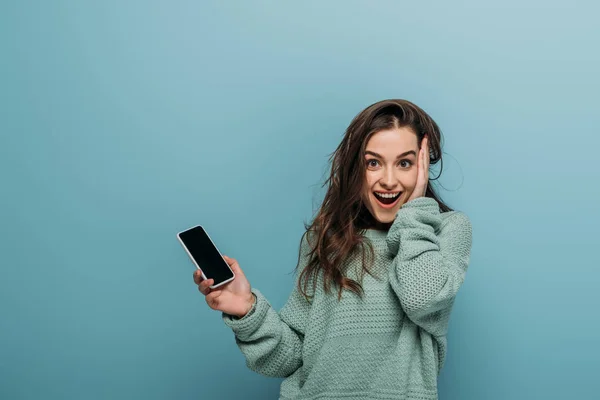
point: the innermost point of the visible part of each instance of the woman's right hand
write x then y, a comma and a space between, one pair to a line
233, 298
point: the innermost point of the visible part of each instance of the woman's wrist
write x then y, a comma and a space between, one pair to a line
251, 302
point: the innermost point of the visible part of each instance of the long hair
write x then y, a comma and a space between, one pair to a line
335, 230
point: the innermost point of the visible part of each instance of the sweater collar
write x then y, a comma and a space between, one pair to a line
375, 234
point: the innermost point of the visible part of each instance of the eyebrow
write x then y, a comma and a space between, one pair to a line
399, 156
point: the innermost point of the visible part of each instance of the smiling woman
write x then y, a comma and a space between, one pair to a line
391, 180
387, 149
383, 334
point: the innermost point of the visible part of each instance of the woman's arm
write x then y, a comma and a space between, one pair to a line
272, 341
430, 262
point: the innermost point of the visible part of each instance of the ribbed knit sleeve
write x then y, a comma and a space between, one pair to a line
431, 257
272, 341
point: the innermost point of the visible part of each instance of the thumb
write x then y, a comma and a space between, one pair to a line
233, 264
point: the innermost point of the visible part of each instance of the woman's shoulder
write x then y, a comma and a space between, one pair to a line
455, 221
454, 214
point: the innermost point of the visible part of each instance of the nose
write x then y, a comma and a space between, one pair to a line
389, 179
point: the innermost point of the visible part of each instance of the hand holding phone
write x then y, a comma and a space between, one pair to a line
234, 298
205, 255
218, 277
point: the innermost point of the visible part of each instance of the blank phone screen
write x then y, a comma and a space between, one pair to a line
206, 254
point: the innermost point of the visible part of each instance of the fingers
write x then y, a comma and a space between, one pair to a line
426, 156
233, 264
422, 170
213, 300
421, 155
421, 159
229, 260
204, 286
198, 276
212, 297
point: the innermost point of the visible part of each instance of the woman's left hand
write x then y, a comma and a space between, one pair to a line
422, 171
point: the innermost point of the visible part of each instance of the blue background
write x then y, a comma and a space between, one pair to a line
123, 123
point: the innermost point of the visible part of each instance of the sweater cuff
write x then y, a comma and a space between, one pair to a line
249, 323
428, 204
414, 219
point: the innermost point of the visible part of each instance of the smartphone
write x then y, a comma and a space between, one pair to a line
206, 256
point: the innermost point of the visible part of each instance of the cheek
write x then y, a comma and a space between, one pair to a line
368, 184
370, 180
365, 193
410, 180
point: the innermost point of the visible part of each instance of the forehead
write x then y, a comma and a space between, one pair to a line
393, 141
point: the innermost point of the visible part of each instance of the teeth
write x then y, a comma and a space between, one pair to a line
387, 196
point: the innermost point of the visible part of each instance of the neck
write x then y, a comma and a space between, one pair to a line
366, 220
381, 226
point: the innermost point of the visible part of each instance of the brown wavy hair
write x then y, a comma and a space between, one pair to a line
335, 231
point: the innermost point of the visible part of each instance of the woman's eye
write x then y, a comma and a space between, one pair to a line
371, 161
404, 163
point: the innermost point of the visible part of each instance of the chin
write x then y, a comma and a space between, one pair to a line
383, 219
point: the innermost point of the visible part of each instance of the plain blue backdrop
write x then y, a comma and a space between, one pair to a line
123, 123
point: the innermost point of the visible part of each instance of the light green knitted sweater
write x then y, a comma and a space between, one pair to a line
391, 344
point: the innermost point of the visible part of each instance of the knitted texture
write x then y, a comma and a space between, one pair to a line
390, 344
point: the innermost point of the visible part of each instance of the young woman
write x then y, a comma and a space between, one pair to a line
378, 271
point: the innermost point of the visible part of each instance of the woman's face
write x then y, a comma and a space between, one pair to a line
391, 159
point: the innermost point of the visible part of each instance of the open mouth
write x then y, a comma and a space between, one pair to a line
387, 200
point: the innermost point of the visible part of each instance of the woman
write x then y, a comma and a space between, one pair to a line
379, 268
